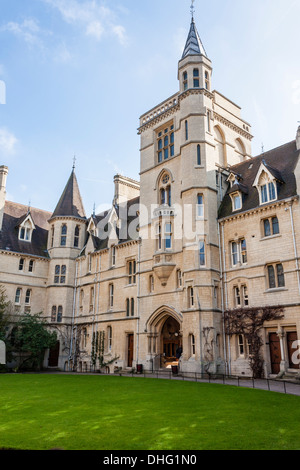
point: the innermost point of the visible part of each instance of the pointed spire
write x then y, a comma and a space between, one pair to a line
194, 44
70, 203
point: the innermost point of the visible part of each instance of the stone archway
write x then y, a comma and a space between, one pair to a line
164, 336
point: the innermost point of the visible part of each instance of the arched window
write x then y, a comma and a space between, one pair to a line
27, 296
165, 190
59, 314
186, 130
18, 296
63, 235
200, 206
240, 148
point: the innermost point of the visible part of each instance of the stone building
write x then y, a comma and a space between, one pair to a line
149, 280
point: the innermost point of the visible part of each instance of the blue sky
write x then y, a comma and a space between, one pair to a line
79, 73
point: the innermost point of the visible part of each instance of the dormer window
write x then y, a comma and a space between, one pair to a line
268, 192
26, 229
236, 199
267, 183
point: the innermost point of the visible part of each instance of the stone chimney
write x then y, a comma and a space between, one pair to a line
298, 139
3, 178
125, 189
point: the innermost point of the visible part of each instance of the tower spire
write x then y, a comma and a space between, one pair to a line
192, 9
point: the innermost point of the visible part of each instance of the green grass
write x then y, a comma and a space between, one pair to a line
40, 412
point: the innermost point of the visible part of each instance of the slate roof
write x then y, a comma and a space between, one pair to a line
193, 44
70, 203
14, 214
281, 162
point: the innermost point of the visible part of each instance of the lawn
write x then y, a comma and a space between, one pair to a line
40, 412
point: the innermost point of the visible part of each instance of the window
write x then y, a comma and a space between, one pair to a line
190, 297
113, 255
165, 190
236, 201
30, 266
198, 155
158, 235
60, 274
241, 345
165, 143
109, 337
59, 314
192, 345
52, 236
186, 126
21, 264
239, 252
275, 276
151, 283
207, 84
53, 313
267, 192
185, 81
168, 236
111, 295
200, 206
245, 296
237, 297
202, 253
18, 296
63, 235
27, 296
127, 307
241, 298
92, 291
132, 307
271, 226
208, 121
25, 232
76, 236
243, 251
81, 298
131, 269
179, 279
196, 78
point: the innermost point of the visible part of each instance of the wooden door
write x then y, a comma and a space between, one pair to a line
291, 337
130, 350
53, 356
275, 353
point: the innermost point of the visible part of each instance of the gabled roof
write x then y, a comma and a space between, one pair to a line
193, 44
70, 203
281, 163
14, 214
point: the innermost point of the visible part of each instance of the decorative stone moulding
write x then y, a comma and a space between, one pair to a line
163, 267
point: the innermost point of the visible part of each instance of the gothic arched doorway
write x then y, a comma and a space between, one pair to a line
170, 342
164, 337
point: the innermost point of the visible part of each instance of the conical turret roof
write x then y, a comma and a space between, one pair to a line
194, 44
70, 203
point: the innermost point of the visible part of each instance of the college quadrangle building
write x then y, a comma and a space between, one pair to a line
207, 228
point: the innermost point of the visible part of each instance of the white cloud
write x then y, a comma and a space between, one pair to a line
94, 19
29, 31
7, 142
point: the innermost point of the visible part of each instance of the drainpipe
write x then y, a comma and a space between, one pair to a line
138, 303
226, 296
73, 310
222, 297
294, 242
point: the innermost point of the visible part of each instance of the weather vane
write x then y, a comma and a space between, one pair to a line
74, 161
192, 8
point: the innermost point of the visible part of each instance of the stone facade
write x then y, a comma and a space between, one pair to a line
153, 275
